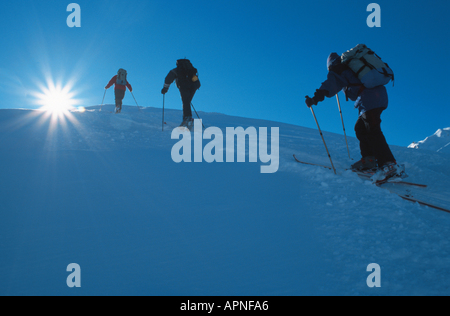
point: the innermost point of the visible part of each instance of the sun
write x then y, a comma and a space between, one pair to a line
56, 102
56, 99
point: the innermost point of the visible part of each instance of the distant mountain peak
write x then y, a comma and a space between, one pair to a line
438, 142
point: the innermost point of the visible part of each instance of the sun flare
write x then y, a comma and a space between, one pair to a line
57, 102
56, 99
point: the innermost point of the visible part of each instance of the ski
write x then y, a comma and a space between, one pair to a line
368, 175
389, 180
184, 128
309, 163
412, 199
405, 197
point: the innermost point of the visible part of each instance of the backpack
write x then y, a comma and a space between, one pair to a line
368, 66
186, 70
121, 77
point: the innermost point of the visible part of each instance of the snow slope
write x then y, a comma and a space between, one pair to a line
439, 141
101, 190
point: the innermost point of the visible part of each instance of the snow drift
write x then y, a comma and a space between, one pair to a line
101, 190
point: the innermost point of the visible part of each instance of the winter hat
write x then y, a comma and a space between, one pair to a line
333, 59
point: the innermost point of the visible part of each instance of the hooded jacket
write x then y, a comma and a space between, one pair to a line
181, 83
341, 77
118, 86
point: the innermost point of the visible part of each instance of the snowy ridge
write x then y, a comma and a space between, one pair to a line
101, 190
439, 141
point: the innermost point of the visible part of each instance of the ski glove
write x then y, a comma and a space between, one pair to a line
164, 90
319, 96
309, 102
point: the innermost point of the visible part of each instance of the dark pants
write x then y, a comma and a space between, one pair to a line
186, 97
119, 94
371, 138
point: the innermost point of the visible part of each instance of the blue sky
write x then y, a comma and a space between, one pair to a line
255, 58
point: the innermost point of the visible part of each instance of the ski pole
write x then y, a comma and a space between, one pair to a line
102, 101
135, 101
334, 170
342, 119
164, 97
197, 114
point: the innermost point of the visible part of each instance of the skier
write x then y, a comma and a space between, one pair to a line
120, 86
186, 78
371, 103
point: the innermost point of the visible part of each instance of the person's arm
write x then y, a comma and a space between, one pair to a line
111, 82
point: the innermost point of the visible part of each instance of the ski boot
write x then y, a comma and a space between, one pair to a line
187, 122
366, 163
190, 125
389, 170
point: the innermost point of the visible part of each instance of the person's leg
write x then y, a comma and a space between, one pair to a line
363, 136
186, 97
373, 139
119, 95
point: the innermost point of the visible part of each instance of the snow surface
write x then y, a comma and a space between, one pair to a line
101, 190
439, 141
